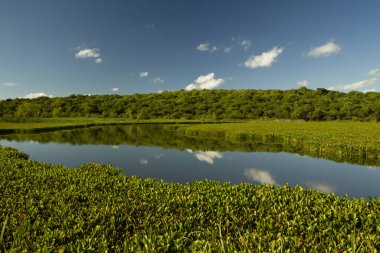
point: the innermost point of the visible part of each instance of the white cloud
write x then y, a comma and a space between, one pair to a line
261, 176
321, 186
206, 47
9, 84
191, 87
206, 78
115, 89
263, 60
303, 83
245, 44
37, 94
370, 90
356, 85
144, 161
206, 156
144, 74
374, 73
238, 42
158, 80
227, 49
205, 82
325, 50
89, 53
374, 78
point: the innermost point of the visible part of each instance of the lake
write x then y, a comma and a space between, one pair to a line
158, 151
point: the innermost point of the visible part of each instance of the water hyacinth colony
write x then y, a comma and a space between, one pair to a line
94, 208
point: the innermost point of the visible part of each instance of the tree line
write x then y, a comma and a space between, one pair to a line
296, 104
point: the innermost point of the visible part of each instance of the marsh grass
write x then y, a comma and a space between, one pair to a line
95, 208
2, 245
355, 142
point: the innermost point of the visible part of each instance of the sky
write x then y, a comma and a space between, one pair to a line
58, 48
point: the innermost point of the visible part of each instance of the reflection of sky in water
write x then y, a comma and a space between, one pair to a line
144, 161
206, 156
259, 176
235, 167
321, 186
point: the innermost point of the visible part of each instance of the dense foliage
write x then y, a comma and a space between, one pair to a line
93, 208
305, 104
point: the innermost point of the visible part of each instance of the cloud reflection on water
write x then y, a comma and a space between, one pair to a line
206, 156
321, 186
158, 156
260, 176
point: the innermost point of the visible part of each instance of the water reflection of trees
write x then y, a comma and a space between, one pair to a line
164, 136
142, 135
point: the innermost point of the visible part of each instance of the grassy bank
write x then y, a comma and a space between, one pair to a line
341, 141
93, 208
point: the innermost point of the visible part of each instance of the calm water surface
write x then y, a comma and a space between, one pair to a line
156, 151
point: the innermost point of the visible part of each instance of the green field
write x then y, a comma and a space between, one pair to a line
93, 208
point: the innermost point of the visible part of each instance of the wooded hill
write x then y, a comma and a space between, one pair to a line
303, 103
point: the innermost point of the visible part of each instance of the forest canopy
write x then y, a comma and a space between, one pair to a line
297, 104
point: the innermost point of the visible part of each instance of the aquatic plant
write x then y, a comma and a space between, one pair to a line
94, 208
355, 142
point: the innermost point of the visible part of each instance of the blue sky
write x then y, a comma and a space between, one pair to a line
68, 47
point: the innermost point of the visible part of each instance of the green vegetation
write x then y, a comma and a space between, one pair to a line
356, 142
93, 208
32, 125
305, 104
38, 125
